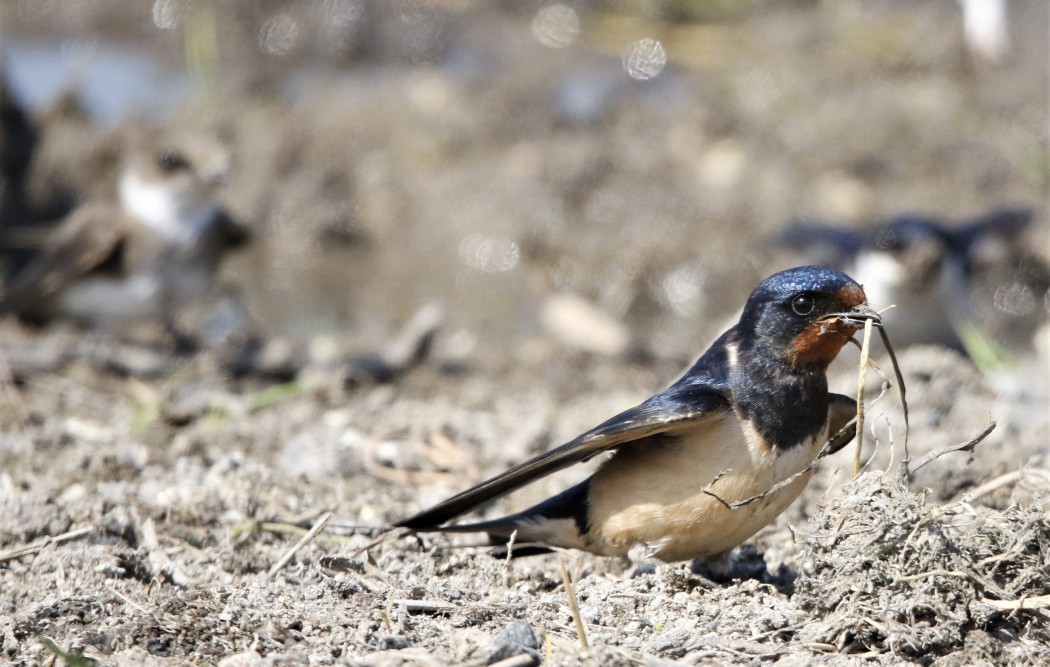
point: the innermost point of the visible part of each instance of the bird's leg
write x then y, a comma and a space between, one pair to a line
643, 560
718, 567
740, 563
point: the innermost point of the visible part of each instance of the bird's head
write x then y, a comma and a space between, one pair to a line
905, 253
170, 181
805, 315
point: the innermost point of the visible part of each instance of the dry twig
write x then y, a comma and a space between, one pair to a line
380, 470
310, 535
522, 660
574, 608
1003, 480
425, 606
862, 374
1034, 602
967, 446
383, 537
18, 552
901, 389
158, 559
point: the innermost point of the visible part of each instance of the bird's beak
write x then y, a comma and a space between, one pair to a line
857, 315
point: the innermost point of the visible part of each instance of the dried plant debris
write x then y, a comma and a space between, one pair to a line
886, 573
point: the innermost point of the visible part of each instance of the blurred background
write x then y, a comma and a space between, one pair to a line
479, 228
614, 175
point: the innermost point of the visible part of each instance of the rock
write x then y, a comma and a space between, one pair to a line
578, 323
407, 350
517, 638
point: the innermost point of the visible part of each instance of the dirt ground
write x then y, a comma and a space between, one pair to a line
440, 155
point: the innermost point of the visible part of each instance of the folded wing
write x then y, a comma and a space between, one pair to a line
677, 409
85, 241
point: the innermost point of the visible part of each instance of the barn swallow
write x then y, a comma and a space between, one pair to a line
106, 265
752, 412
18, 140
921, 265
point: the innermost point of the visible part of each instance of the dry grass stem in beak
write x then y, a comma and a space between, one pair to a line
901, 389
858, 316
862, 374
873, 318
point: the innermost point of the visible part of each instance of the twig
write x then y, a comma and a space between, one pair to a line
862, 374
707, 488
1003, 480
972, 576
126, 600
889, 436
18, 552
311, 534
574, 608
933, 573
340, 536
1034, 602
388, 473
967, 446
901, 389
426, 606
824, 451
510, 554
442, 451
520, 660
385, 614
383, 537
158, 559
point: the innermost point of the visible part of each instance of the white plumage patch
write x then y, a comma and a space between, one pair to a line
928, 315
101, 299
560, 532
174, 210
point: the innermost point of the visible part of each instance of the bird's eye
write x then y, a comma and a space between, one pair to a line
171, 161
803, 304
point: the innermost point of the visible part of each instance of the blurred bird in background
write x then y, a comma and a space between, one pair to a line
111, 265
18, 139
934, 272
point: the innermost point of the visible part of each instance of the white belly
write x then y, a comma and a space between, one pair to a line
100, 301
653, 494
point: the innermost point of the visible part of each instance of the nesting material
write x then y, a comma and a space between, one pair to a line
884, 572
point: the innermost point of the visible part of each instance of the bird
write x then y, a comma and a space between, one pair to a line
922, 265
753, 412
108, 265
18, 140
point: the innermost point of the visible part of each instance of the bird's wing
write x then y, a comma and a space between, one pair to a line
841, 409
822, 243
86, 240
679, 408
994, 238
